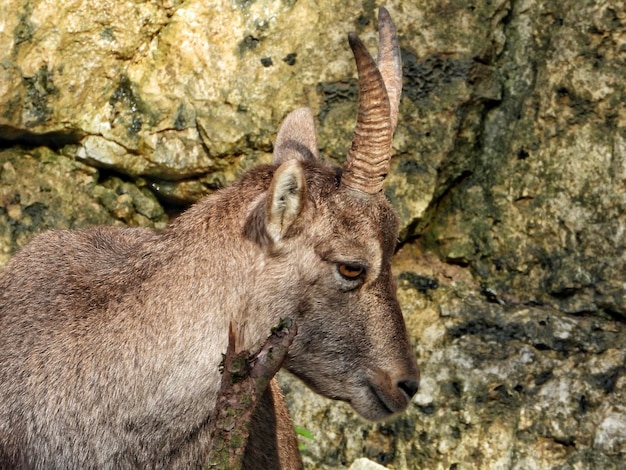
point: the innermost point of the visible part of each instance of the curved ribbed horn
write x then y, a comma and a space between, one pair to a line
367, 162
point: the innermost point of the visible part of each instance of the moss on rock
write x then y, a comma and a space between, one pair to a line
41, 190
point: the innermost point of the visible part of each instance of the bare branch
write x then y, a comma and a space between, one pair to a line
244, 379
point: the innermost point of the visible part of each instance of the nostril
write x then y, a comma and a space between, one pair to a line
409, 387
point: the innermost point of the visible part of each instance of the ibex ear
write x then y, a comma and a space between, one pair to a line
285, 199
296, 138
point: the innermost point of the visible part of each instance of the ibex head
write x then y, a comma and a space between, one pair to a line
334, 232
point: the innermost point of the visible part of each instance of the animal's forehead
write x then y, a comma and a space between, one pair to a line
367, 223
355, 219
349, 215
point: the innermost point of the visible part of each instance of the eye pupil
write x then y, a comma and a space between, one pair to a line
350, 271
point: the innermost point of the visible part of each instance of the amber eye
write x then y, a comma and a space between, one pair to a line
350, 271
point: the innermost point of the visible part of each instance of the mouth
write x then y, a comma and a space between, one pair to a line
373, 393
382, 404
382, 396
368, 399
390, 401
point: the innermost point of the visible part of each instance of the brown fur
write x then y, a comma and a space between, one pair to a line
273, 443
110, 338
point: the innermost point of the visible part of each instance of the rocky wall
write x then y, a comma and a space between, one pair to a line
509, 175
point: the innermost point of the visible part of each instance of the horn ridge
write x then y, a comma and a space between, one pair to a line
367, 162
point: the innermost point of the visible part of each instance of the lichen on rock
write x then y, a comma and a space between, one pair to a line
508, 176
41, 189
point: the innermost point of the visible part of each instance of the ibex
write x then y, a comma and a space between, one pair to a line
110, 339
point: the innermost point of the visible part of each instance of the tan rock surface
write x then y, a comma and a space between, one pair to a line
509, 176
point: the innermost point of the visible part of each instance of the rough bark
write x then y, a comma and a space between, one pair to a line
245, 378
